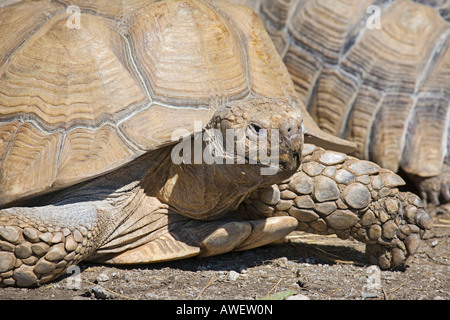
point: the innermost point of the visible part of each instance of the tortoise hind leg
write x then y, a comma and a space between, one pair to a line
204, 238
435, 191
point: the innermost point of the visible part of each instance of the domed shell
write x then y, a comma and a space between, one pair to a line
375, 73
88, 86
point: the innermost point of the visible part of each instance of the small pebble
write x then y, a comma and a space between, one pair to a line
366, 295
101, 293
102, 277
152, 296
233, 275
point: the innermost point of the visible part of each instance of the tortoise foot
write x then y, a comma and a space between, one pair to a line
39, 244
395, 235
435, 191
31, 256
338, 194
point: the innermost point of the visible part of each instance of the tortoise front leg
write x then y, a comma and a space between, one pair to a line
39, 244
338, 194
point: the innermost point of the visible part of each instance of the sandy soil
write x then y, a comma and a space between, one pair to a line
304, 267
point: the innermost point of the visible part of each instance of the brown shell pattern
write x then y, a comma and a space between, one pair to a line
76, 103
386, 88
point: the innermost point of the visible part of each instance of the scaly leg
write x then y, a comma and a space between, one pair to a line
39, 244
435, 191
334, 193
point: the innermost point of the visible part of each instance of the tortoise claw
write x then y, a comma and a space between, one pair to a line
267, 231
244, 235
445, 192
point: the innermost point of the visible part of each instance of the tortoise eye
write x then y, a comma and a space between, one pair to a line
256, 128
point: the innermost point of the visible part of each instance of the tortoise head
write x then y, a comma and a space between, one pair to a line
262, 135
247, 144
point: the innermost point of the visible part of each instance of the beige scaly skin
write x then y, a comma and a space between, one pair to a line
332, 193
338, 194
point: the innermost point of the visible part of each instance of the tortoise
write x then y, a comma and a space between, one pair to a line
100, 104
376, 73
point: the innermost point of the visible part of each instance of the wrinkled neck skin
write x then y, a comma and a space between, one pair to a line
205, 192
201, 191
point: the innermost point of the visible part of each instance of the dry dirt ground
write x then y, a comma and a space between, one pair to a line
305, 266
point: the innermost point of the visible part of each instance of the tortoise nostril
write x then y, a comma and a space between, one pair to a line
293, 130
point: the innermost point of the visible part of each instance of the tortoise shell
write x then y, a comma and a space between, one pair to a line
88, 86
384, 84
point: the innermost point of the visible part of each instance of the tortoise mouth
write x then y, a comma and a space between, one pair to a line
297, 158
290, 161
286, 165
286, 162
